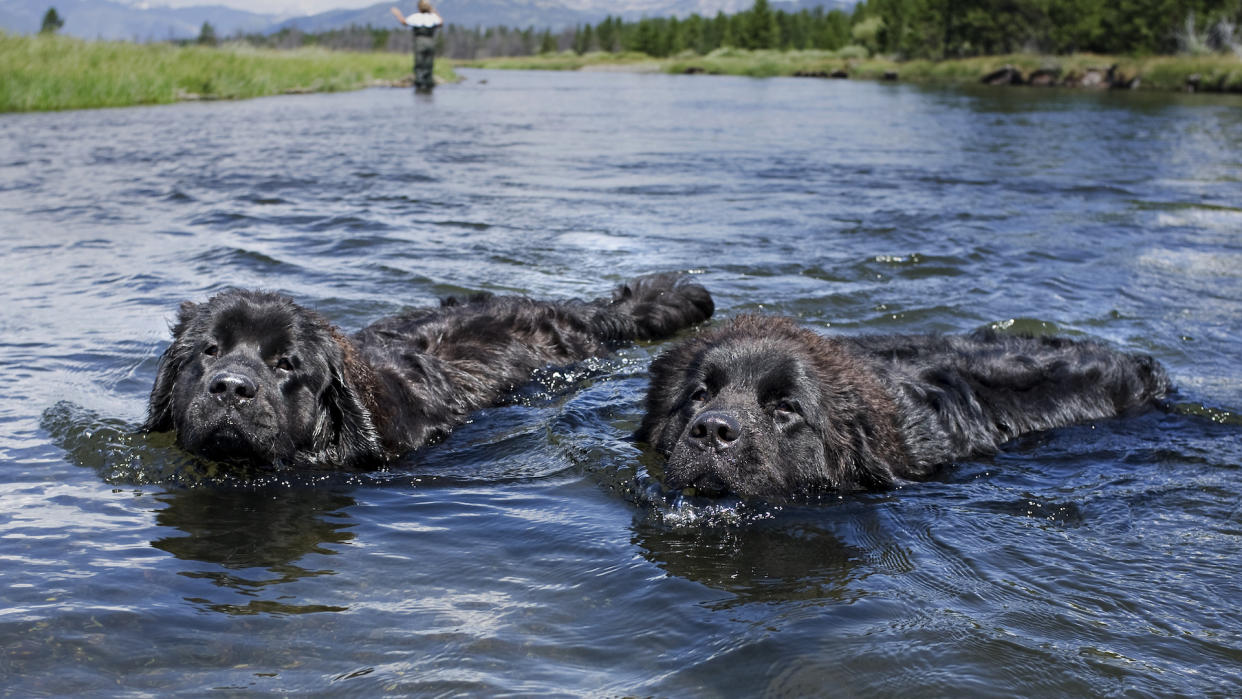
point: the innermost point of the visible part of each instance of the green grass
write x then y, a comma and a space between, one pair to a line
764, 63
1221, 72
567, 60
1154, 72
54, 72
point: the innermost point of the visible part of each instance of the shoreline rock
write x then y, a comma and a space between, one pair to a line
1093, 78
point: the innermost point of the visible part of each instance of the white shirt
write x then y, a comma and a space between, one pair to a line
424, 20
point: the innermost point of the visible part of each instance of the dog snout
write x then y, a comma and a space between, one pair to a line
231, 385
715, 429
710, 484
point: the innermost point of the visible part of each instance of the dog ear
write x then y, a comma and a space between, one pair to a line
186, 313
347, 436
159, 406
668, 376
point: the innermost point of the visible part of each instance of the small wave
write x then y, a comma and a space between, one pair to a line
911, 266
1066, 514
502, 447
124, 455
226, 220
550, 383
1220, 416
405, 177
679, 510
1185, 206
1192, 263
664, 190
1033, 327
347, 223
113, 448
230, 258
470, 225
263, 201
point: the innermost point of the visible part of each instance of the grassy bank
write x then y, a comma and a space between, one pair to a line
54, 72
569, 60
1216, 72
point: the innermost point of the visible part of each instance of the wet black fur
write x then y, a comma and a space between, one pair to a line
762, 408
251, 375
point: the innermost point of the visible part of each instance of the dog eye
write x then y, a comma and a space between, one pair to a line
786, 408
285, 364
700, 395
212, 350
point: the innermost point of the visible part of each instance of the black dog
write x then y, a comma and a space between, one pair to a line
253, 376
763, 408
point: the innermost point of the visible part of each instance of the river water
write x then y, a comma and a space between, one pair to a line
530, 553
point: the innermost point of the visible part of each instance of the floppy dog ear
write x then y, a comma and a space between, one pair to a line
159, 406
668, 375
347, 436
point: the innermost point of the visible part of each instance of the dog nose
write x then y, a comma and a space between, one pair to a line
231, 385
717, 429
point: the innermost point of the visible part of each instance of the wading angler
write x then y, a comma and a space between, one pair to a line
424, 24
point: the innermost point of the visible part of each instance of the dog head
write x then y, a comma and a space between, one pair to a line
762, 408
253, 376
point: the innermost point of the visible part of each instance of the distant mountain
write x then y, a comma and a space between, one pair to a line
469, 13
553, 14
100, 19
103, 19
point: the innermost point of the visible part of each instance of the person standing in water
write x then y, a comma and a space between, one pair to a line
425, 22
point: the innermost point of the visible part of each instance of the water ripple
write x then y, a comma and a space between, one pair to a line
534, 550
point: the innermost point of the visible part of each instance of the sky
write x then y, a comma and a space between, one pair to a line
273, 7
310, 7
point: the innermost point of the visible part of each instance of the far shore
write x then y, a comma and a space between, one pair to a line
45, 73
1211, 73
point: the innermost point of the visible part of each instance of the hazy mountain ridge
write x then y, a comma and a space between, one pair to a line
553, 14
100, 19
103, 19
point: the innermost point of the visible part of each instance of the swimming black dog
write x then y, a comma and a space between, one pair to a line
253, 376
763, 408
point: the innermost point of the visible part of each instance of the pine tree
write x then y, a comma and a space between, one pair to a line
583, 40
547, 44
51, 22
762, 31
728, 37
207, 35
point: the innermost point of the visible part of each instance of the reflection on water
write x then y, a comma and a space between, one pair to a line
765, 559
254, 541
532, 552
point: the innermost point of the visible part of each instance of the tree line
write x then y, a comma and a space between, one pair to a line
938, 29
933, 29
904, 28
953, 28
757, 28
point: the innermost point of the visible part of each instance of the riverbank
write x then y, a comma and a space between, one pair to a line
1219, 73
44, 73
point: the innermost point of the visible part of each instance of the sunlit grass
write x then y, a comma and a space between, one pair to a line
56, 72
765, 63
1219, 72
566, 60
1223, 72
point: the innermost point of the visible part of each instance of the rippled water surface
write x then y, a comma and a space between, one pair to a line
531, 552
